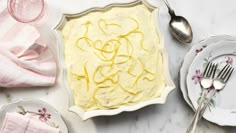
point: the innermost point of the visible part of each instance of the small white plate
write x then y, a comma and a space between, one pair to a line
197, 48
223, 109
41, 108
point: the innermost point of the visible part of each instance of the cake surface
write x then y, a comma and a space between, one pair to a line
113, 58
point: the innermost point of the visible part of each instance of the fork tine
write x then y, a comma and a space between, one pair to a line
209, 70
229, 74
222, 71
206, 69
214, 71
226, 72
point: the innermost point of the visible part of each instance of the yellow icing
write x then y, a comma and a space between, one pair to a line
113, 58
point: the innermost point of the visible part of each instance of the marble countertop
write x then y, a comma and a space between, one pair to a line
207, 17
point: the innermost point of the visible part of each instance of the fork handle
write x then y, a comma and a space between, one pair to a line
197, 116
200, 111
207, 102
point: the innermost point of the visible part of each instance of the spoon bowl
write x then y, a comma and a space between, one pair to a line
181, 29
179, 26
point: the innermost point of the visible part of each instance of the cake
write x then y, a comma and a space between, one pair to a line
113, 58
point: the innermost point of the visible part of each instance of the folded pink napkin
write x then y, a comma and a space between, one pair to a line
17, 123
23, 61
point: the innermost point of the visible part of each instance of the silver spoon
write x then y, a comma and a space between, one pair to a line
179, 26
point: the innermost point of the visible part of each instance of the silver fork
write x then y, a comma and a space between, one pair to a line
222, 78
218, 84
206, 82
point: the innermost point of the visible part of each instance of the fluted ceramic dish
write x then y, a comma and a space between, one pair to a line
169, 86
38, 108
190, 56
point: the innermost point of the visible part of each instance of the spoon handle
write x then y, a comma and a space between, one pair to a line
171, 11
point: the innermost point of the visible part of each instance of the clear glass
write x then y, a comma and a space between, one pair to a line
27, 11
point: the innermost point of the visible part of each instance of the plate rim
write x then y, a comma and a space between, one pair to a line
208, 115
182, 76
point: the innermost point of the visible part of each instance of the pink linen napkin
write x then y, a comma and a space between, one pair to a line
23, 61
17, 123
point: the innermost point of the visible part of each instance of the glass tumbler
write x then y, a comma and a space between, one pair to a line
27, 11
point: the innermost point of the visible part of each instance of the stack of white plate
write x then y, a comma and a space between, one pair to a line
45, 112
218, 49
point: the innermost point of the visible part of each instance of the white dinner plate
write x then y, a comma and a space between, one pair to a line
223, 108
197, 48
42, 109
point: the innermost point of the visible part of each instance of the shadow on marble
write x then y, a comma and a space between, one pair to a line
151, 119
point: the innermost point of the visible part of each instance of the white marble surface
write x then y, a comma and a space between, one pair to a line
208, 17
